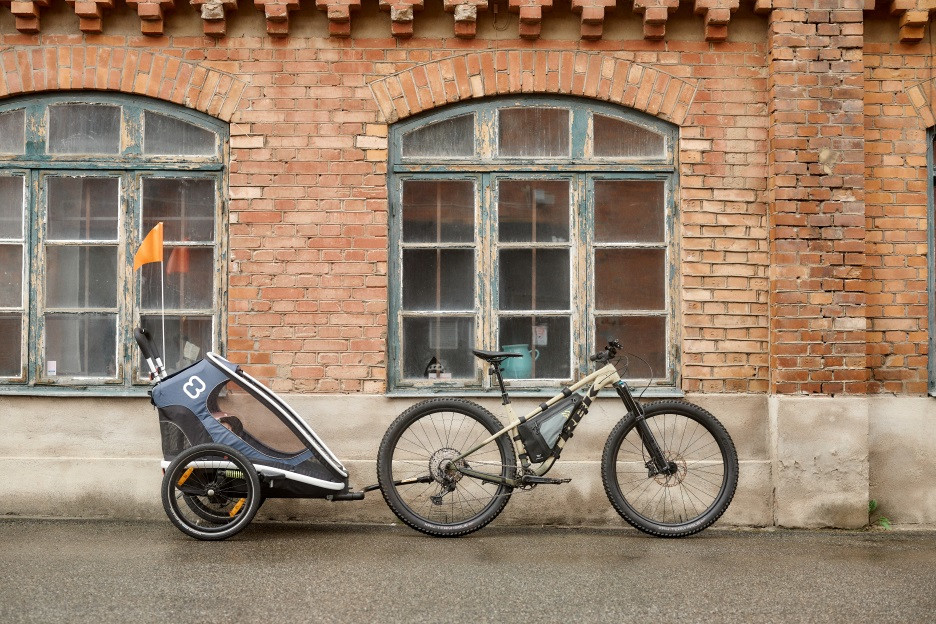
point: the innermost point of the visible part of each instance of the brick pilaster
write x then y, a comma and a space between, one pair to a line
816, 194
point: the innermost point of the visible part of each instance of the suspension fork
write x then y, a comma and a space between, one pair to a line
657, 459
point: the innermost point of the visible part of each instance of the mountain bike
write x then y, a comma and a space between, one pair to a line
447, 466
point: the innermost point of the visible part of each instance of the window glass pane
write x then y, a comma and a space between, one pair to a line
81, 276
642, 336
189, 279
81, 345
533, 211
186, 206
614, 137
13, 132
444, 139
188, 338
11, 276
438, 211
438, 347
83, 208
543, 342
11, 207
438, 279
630, 211
533, 132
168, 135
630, 279
84, 129
11, 327
534, 279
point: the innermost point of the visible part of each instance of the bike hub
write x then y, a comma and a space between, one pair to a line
443, 468
676, 469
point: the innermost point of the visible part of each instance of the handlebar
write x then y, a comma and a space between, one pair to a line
608, 353
144, 340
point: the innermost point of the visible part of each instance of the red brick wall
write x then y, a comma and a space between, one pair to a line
758, 204
896, 183
724, 221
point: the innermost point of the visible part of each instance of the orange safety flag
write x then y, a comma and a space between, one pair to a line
151, 249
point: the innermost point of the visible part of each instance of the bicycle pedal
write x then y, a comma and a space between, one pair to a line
534, 480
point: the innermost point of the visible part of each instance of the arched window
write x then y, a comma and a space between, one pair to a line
537, 225
83, 177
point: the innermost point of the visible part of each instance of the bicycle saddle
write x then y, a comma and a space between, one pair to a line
495, 356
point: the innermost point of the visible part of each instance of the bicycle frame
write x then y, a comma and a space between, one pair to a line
602, 378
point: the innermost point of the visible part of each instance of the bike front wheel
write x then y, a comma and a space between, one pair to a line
418, 467
702, 482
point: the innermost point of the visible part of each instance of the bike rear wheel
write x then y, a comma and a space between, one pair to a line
678, 504
419, 480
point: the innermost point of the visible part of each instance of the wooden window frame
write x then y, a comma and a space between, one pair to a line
581, 170
130, 166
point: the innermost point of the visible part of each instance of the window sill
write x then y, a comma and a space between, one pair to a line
76, 391
416, 393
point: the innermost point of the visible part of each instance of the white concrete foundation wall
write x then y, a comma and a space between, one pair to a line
805, 461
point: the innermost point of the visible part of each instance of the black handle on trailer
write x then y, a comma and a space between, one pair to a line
144, 340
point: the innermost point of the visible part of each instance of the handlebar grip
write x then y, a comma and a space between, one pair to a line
600, 356
145, 341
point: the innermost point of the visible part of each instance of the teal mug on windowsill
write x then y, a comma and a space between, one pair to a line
518, 368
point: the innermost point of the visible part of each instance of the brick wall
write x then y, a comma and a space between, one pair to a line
896, 183
801, 166
818, 325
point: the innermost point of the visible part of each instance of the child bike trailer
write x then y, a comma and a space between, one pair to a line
229, 443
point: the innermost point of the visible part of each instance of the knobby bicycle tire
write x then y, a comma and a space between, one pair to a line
419, 444
683, 503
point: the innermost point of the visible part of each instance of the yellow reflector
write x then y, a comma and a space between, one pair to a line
185, 475
237, 507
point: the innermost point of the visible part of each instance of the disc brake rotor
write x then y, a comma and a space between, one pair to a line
672, 480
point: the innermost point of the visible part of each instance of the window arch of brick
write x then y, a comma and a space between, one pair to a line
921, 98
168, 78
511, 72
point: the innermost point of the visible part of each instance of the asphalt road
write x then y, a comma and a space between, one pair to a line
103, 571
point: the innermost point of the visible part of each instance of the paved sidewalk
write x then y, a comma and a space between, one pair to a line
105, 571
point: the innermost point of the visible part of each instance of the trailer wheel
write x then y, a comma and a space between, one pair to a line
211, 492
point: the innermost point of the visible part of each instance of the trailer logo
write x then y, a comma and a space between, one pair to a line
194, 387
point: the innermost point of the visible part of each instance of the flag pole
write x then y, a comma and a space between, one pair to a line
151, 250
162, 307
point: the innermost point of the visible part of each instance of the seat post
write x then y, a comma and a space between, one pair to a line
496, 371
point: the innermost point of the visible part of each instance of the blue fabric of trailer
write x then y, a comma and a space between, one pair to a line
191, 389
